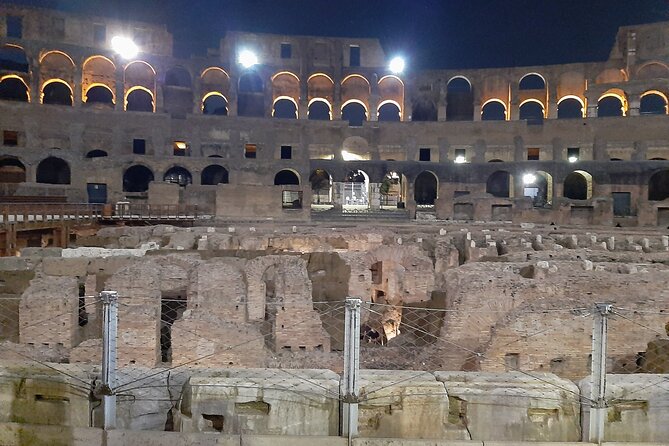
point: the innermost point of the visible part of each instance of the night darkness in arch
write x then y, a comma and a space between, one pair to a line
430, 33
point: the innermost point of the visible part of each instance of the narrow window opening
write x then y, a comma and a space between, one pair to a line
139, 146
286, 152
533, 154
172, 307
250, 151
99, 33
286, 51
14, 27
181, 148
424, 154
354, 56
10, 138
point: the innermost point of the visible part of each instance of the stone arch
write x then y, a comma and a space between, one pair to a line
393, 189
14, 88
140, 99
214, 174
178, 76
355, 148
612, 103
250, 95
391, 91
140, 75
97, 153
571, 107
424, 110
285, 85
658, 186
500, 184
12, 170
355, 88
321, 187
538, 186
319, 110
426, 188
178, 175
653, 70
99, 94
531, 110
98, 72
653, 102
578, 185
53, 170
572, 84
136, 178
215, 84
320, 89
356, 189
494, 110
611, 76
284, 108
56, 65
287, 177
389, 111
532, 81
355, 112
459, 99
13, 58
57, 92
214, 103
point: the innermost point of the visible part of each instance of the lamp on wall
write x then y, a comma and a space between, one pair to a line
124, 47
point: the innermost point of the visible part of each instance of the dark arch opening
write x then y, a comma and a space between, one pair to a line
285, 109
96, 154
12, 171
140, 100
658, 186
214, 174
460, 100
137, 179
320, 181
178, 175
251, 100
215, 105
610, 106
13, 59
425, 191
570, 108
653, 104
250, 82
12, 89
575, 186
354, 113
531, 111
498, 184
493, 111
424, 111
99, 95
57, 93
532, 82
286, 177
389, 112
319, 111
53, 170
178, 77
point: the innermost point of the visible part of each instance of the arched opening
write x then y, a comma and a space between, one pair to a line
538, 186
578, 185
532, 81
12, 171
251, 99
137, 178
500, 184
493, 110
13, 88
99, 94
13, 58
178, 77
426, 189
96, 154
658, 186
178, 175
286, 177
139, 100
459, 100
389, 112
356, 190
214, 174
284, 108
653, 70
321, 187
531, 111
56, 93
610, 106
53, 170
424, 110
570, 108
391, 91
653, 103
355, 113
319, 110
215, 104
392, 190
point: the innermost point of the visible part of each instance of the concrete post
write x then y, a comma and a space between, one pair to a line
598, 373
350, 381
109, 331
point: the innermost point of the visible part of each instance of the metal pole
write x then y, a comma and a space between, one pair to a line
109, 330
598, 373
350, 384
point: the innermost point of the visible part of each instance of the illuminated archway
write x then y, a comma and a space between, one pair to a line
99, 94
13, 58
139, 99
426, 188
356, 189
56, 92
500, 184
356, 88
612, 104
284, 108
391, 91
494, 110
98, 71
532, 110
459, 99
389, 111
321, 187
653, 103
214, 103
178, 175
538, 186
139, 78
285, 90
319, 110
53, 170
14, 88
578, 185
571, 107
354, 112
137, 178
532, 81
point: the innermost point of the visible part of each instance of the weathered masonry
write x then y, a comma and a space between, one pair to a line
320, 127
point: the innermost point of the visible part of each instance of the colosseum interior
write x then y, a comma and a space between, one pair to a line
479, 215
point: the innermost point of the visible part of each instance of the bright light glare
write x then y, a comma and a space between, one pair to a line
125, 47
247, 59
348, 156
396, 65
573, 159
460, 159
529, 178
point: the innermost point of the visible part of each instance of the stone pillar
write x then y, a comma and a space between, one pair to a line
77, 94
120, 91
375, 196
477, 112
337, 196
634, 106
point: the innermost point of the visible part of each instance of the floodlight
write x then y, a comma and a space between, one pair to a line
573, 159
460, 159
396, 65
529, 178
124, 47
247, 58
